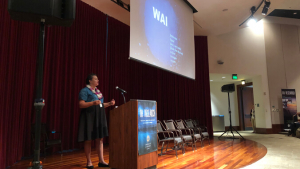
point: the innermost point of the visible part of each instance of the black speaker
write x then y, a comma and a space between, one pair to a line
55, 12
228, 88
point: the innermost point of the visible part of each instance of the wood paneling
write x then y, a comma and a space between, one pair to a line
123, 137
276, 128
264, 131
219, 154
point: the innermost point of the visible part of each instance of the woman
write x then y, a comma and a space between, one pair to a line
252, 119
92, 122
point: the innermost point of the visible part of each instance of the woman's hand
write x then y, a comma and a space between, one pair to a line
112, 102
97, 102
83, 104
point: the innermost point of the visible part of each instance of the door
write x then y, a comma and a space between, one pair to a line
247, 104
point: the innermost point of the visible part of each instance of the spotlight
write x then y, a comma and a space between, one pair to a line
251, 22
243, 82
266, 7
122, 4
253, 10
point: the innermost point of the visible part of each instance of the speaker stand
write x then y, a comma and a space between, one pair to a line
230, 127
39, 102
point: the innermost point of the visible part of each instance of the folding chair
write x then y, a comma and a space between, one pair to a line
187, 136
168, 136
195, 132
204, 130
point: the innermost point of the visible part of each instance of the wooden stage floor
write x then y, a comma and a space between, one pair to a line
220, 154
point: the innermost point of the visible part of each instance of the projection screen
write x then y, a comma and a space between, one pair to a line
162, 35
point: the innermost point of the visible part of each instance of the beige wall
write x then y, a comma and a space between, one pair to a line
244, 52
283, 62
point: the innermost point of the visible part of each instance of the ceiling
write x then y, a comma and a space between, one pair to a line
214, 17
287, 13
214, 77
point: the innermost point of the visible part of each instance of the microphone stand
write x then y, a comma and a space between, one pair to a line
123, 97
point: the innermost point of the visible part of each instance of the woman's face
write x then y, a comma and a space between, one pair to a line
94, 81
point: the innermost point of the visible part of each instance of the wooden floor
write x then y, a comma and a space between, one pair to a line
219, 154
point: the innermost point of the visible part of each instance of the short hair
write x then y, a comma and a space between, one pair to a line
89, 77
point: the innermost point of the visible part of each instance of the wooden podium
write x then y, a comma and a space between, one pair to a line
123, 139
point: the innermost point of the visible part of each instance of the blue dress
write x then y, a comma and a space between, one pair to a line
92, 121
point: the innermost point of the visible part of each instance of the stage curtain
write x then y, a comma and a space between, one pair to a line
18, 51
70, 54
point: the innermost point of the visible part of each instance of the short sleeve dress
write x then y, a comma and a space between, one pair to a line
92, 121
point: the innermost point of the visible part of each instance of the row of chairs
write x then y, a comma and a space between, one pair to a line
181, 133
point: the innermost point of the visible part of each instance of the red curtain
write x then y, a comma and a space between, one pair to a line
72, 53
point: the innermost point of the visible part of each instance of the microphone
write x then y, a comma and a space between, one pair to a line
121, 90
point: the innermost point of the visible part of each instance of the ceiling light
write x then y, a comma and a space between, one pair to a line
253, 10
251, 22
223, 77
266, 7
211, 80
243, 82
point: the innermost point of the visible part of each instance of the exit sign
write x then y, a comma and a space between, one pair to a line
234, 77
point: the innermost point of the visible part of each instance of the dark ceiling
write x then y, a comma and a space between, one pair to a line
286, 13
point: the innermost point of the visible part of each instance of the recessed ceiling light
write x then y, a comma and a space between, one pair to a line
223, 77
211, 80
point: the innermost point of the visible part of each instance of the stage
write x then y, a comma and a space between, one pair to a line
219, 154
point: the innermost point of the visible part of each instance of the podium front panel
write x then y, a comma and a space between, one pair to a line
147, 127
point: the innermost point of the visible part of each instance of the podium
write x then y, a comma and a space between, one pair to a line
123, 139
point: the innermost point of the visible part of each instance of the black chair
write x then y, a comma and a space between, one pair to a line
45, 138
168, 136
196, 132
204, 130
186, 133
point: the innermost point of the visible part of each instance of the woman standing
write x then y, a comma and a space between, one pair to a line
252, 119
92, 122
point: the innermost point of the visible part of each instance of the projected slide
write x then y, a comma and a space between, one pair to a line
162, 34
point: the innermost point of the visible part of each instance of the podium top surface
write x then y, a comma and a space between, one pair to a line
142, 100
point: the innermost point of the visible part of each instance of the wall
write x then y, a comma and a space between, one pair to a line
283, 59
243, 52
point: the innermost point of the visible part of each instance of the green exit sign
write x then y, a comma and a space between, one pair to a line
234, 77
